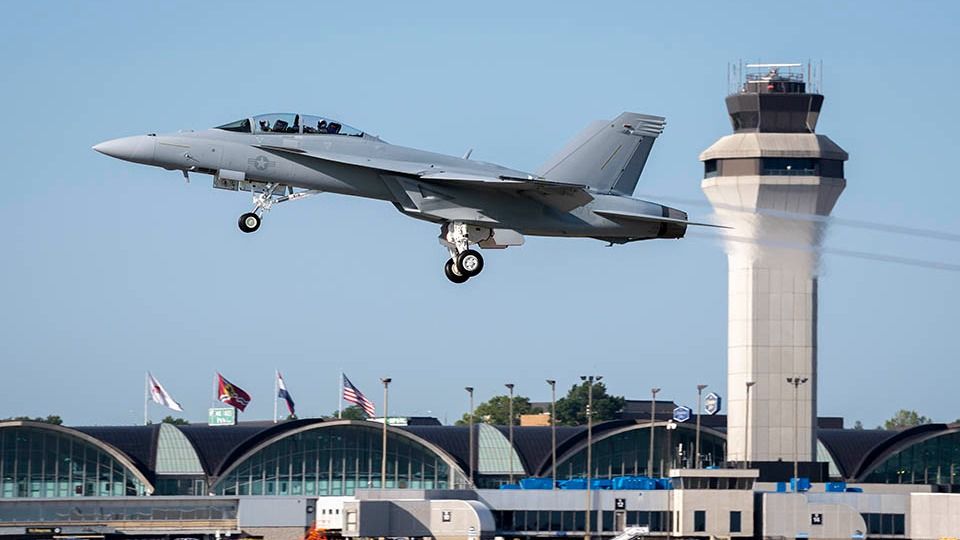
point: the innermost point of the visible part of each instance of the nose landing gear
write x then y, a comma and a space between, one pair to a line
264, 197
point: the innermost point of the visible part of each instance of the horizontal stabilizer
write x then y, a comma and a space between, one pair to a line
654, 219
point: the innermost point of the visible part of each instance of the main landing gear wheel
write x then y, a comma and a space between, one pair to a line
451, 272
249, 222
469, 263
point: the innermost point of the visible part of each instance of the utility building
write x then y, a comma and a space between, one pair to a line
772, 180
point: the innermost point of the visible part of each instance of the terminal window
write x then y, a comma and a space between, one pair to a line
885, 524
735, 521
699, 520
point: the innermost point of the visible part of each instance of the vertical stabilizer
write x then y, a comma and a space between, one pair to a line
607, 155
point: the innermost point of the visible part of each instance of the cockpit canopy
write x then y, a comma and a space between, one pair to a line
292, 124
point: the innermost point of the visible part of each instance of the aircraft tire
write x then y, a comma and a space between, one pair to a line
451, 275
470, 263
249, 222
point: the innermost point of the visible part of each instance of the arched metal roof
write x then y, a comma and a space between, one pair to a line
270, 436
610, 429
250, 435
136, 469
455, 440
899, 441
849, 447
138, 443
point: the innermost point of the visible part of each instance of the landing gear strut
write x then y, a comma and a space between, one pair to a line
264, 198
464, 263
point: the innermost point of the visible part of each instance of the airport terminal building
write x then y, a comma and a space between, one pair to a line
283, 480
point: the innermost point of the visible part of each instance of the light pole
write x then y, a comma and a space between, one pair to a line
653, 408
696, 446
553, 429
469, 390
746, 426
386, 414
510, 429
671, 425
589, 379
796, 382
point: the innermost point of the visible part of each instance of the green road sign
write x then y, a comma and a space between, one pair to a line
225, 416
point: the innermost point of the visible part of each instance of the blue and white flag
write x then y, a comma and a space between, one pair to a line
283, 394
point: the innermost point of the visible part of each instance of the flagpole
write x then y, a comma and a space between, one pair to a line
146, 394
276, 390
340, 398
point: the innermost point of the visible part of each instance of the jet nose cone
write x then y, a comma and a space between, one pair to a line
139, 149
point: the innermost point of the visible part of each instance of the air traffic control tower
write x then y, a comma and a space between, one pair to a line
771, 180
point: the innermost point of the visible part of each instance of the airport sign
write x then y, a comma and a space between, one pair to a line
682, 414
222, 416
711, 403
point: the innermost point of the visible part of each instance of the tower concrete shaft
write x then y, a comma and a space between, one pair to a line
770, 180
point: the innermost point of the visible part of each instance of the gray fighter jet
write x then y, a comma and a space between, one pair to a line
585, 191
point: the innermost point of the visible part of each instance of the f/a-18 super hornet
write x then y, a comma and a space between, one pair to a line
584, 191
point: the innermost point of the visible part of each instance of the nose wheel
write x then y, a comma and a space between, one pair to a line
249, 222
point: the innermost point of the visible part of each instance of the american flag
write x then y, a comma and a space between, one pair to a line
352, 395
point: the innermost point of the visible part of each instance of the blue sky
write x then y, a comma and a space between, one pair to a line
109, 268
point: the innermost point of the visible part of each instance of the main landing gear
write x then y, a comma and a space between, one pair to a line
464, 266
264, 199
464, 263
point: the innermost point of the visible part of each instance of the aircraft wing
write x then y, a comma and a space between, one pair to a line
438, 177
653, 219
388, 165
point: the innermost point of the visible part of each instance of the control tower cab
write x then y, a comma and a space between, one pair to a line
767, 180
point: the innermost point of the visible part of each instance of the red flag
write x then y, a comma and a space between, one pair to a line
231, 394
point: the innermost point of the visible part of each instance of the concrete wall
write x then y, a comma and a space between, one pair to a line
934, 516
791, 515
717, 505
509, 499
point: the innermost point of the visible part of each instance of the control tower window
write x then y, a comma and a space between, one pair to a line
710, 168
790, 166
